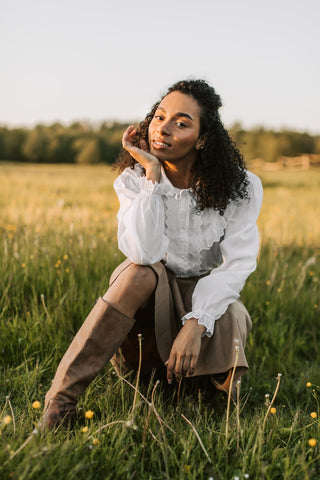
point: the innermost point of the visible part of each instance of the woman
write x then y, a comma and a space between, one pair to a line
187, 223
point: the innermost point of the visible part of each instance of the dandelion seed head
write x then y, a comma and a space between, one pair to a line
312, 442
246, 475
36, 404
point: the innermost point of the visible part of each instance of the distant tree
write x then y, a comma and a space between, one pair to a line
60, 149
11, 141
88, 151
36, 145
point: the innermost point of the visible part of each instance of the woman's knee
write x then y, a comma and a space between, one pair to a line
133, 286
140, 277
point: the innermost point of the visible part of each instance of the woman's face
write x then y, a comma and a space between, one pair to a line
175, 128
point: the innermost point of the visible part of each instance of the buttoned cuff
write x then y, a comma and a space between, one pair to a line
203, 319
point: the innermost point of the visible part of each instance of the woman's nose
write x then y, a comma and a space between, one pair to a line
164, 128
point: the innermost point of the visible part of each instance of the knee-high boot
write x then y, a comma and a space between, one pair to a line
99, 337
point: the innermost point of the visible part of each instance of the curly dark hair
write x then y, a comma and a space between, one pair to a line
219, 173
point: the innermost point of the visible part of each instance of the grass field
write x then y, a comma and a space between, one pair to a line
57, 250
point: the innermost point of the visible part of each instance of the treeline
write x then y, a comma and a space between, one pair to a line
270, 145
82, 142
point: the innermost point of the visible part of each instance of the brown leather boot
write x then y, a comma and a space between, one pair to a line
99, 337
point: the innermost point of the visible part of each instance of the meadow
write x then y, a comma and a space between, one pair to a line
57, 250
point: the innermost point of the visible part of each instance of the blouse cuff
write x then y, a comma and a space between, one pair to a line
203, 319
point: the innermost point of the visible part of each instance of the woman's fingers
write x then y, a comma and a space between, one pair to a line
193, 363
186, 366
127, 137
180, 366
170, 366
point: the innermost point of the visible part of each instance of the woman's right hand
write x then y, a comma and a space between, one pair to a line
142, 155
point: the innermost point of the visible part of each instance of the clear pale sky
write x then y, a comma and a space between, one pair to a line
66, 60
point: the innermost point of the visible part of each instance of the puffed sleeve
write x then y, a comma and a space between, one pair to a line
239, 248
141, 217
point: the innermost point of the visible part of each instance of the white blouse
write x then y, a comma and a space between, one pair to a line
158, 221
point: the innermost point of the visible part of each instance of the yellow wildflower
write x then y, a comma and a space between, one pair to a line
268, 282
273, 410
7, 419
65, 257
311, 273
89, 414
267, 302
186, 469
313, 414
95, 441
308, 384
85, 429
312, 442
23, 265
36, 404
316, 306
67, 270
279, 290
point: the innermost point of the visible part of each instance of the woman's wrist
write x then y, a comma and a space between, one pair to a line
194, 324
153, 172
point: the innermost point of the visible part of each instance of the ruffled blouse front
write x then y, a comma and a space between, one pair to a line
158, 221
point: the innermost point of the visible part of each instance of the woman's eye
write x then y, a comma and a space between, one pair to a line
158, 117
181, 124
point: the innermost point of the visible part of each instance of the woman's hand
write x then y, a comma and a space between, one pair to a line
185, 351
142, 155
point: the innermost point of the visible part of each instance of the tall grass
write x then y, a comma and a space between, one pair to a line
57, 250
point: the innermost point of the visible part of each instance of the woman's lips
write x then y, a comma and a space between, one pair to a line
159, 145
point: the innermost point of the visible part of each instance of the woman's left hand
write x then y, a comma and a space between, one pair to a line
185, 351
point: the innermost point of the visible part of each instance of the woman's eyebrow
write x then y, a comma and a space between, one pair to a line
178, 114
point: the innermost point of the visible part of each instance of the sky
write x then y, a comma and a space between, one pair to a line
95, 60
